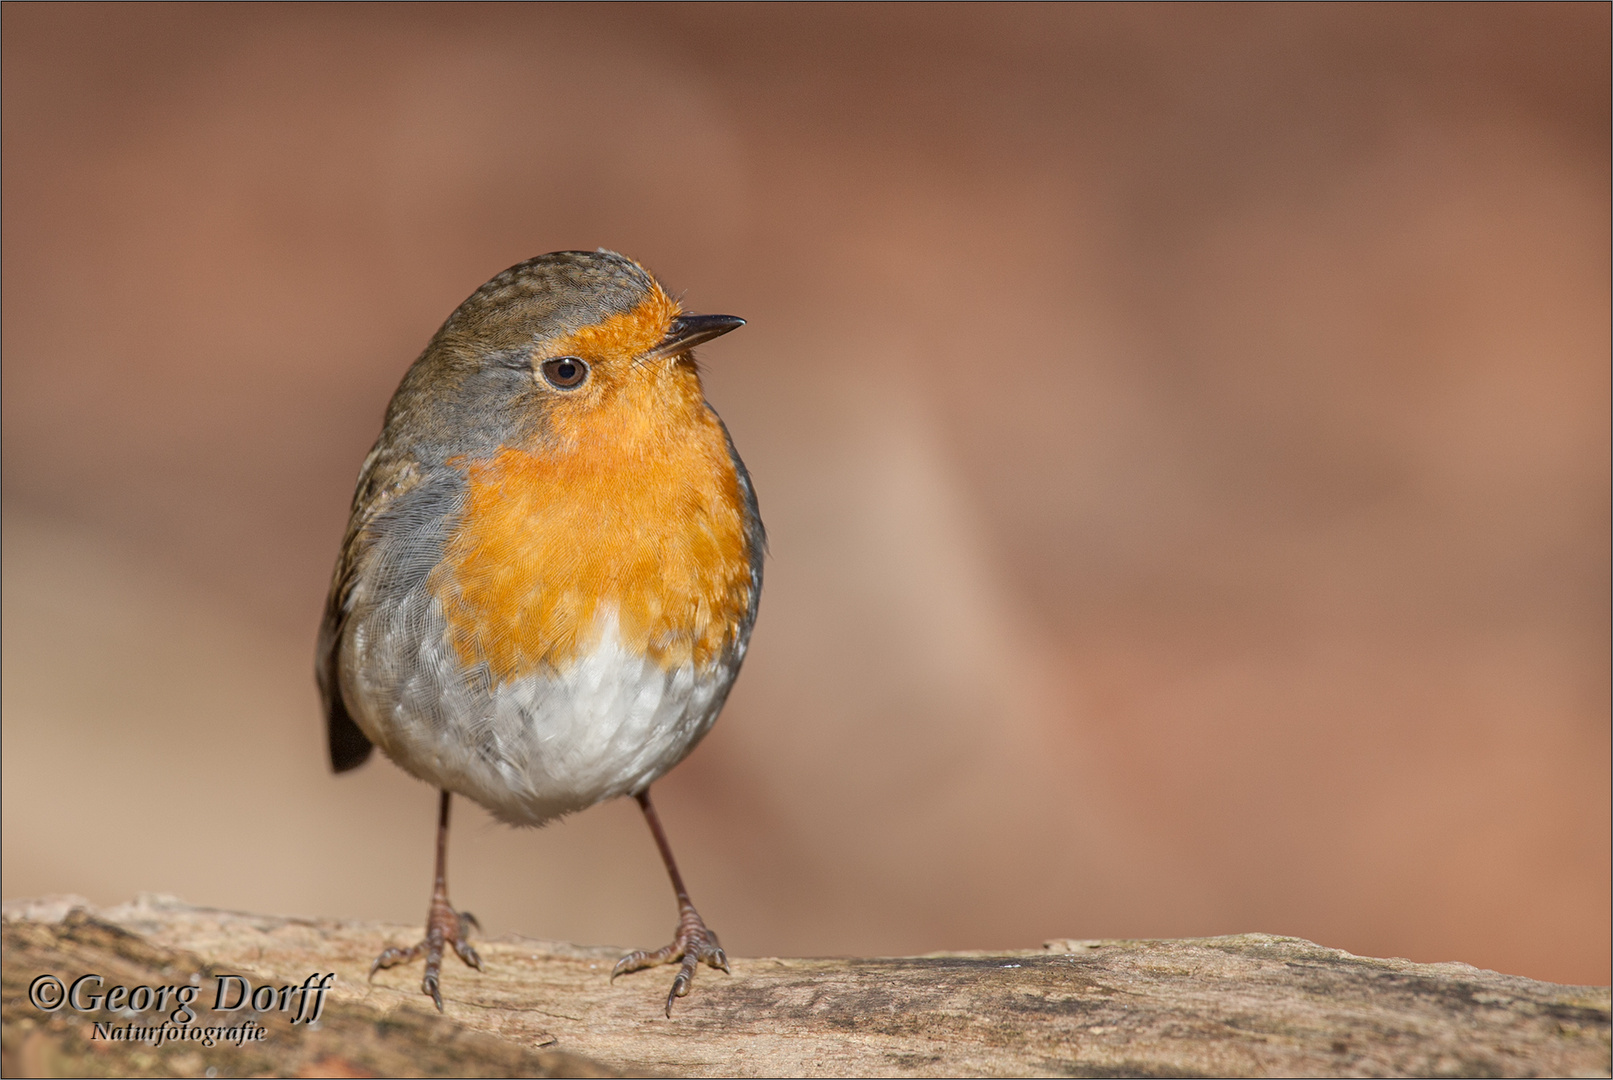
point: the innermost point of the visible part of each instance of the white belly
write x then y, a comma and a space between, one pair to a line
550, 743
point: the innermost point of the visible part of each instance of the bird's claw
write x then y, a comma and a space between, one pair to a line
694, 944
444, 927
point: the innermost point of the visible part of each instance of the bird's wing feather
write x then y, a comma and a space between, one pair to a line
382, 480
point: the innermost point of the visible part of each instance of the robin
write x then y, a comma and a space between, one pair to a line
551, 571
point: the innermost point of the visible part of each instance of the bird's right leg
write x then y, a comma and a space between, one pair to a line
693, 943
444, 925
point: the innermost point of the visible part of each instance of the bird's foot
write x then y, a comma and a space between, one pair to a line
444, 927
694, 944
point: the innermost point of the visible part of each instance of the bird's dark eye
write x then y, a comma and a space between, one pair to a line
565, 373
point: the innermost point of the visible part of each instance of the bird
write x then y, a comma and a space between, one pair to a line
550, 571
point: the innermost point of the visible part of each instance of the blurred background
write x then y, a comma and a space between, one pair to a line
1183, 434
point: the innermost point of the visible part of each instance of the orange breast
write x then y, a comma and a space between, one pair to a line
634, 509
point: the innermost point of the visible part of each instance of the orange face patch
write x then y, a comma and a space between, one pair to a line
632, 506
629, 334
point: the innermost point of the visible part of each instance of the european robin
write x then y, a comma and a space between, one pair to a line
551, 571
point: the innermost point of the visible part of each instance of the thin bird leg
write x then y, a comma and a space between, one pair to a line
444, 925
692, 942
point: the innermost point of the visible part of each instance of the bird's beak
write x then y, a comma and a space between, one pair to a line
687, 331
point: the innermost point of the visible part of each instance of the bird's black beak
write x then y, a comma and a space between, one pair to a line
687, 331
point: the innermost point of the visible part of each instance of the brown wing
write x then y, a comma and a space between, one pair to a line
383, 478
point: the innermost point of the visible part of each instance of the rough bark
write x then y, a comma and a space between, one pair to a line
1251, 1004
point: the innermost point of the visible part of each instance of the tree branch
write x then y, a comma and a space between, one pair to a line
1245, 1005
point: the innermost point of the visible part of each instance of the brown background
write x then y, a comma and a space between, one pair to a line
1184, 434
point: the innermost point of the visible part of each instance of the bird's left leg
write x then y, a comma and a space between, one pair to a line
444, 926
693, 943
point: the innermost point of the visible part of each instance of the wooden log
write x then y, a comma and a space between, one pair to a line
1249, 1004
